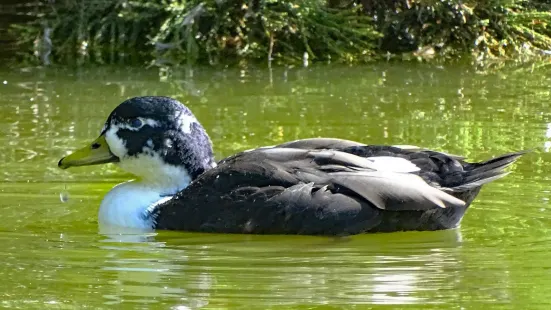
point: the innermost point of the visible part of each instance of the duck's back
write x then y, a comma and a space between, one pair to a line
331, 187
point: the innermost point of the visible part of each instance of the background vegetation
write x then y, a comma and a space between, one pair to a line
168, 32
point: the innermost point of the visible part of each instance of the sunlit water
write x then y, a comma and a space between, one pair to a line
53, 257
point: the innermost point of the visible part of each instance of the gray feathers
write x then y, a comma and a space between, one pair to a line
395, 191
302, 187
386, 186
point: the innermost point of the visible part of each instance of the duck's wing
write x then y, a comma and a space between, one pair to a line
434, 167
451, 173
289, 190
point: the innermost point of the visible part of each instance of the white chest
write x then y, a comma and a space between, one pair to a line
127, 205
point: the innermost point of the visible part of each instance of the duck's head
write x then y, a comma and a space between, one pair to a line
157, 139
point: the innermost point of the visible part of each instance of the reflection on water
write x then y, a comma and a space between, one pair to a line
56, 256
263, 271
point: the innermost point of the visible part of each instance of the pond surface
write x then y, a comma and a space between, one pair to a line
53, 257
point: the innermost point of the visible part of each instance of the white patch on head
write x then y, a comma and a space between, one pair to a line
116, 144
145, 121
150, 143
185, 121
393, 164
149, 121
168, 143
148, 165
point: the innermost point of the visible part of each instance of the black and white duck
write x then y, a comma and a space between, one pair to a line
318, 186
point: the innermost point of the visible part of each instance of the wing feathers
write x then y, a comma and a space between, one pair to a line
395, 191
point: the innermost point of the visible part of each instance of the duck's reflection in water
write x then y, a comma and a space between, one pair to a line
145, 271
193, 270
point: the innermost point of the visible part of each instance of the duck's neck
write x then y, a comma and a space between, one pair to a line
154, 173
130, 204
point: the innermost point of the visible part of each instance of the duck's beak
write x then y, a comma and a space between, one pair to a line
93, 154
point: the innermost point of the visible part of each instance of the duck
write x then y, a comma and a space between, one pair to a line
313, 186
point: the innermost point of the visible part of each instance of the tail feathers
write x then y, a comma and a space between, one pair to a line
479, 174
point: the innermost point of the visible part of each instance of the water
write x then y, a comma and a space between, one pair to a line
53, 257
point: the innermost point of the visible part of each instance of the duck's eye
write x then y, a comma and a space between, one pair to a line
136, 123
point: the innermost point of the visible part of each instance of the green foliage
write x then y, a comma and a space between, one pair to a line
215, 31
211, 31
172, 32
485, 28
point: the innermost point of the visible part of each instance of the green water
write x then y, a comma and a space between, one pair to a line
53, 258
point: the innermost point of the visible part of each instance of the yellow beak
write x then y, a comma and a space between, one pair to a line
96, 153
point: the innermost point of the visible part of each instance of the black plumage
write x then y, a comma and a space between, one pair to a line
329, 187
